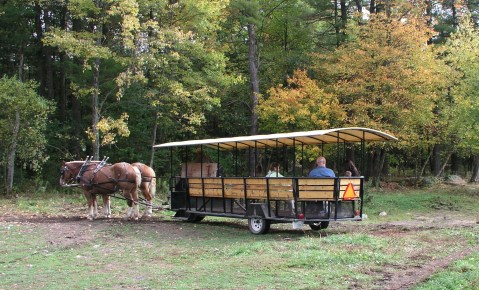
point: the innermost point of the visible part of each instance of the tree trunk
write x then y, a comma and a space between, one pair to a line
359, 6
344, 14
253, 71
436, 160
385, 167
475, 169
11, 154
336, 24
429, 13
39, 25
369, 166
20, 64
76, 111
424, 166
455, 21
153, 140
455, 164
62, 84
95, 110
372, 6
47, 54
349, 152
77, 127
378, 163
444, 165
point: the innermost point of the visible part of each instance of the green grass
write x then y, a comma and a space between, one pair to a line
400, 204
220, 253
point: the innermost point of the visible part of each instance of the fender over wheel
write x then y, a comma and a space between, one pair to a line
258, 226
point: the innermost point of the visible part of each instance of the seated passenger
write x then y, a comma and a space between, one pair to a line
321, 170
274, 170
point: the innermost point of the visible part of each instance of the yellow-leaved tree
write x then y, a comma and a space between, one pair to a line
300, 105
462, 109
387, 77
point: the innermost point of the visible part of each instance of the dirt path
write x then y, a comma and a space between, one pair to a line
399, 278
408, 278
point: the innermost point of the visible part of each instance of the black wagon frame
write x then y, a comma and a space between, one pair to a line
196, 192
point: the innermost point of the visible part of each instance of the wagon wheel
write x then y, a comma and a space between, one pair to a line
319, 226
258, 226
194, 218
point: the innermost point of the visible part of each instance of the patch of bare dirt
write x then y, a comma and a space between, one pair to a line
407, 278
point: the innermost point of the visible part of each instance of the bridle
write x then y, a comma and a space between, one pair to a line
71, 181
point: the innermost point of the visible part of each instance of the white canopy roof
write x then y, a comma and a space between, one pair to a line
317, 137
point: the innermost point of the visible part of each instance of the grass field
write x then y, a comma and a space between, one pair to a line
428, 240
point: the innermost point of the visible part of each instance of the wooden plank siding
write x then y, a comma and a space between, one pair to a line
279, 188
316, 188
355, 182
234, 187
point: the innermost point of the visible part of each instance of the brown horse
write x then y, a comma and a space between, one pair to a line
96, 178
147, 186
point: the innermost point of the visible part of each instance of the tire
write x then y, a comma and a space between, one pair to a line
319, 226
195, 218
258, 226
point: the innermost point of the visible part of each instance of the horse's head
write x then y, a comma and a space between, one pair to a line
69, 172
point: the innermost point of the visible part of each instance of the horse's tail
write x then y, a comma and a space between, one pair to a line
138, 176
153, 187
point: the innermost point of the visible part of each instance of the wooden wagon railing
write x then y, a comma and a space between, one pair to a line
262, 188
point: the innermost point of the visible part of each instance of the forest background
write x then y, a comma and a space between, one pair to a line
114, 77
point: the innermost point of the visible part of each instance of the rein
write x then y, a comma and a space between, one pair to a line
141, 200
147, 178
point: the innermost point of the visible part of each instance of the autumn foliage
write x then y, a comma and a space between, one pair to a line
300, 105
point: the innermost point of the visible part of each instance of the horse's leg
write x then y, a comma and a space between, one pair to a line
134, 197
132, 204
106, 206
89, 201
145, 189
132, 201
95, 206
134, 193
130, 209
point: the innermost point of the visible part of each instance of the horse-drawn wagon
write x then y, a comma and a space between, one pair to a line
205, 188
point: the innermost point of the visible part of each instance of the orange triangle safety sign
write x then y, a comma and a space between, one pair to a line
349, 193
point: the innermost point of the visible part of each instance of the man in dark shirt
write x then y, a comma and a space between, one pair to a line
321, 170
